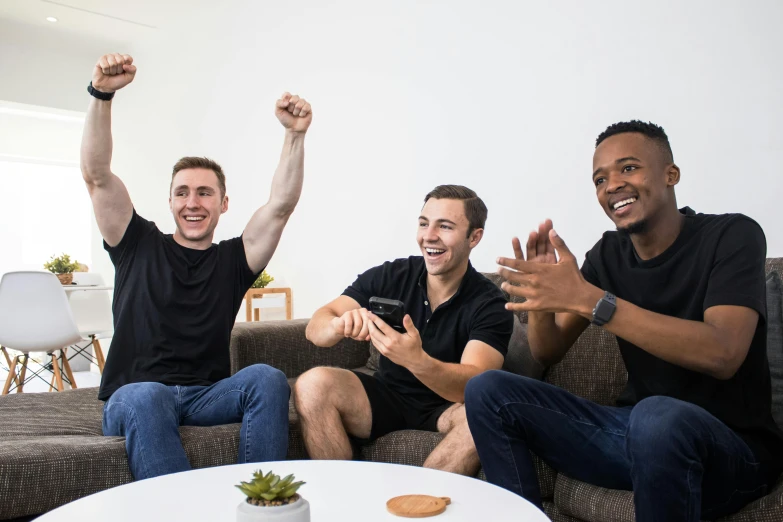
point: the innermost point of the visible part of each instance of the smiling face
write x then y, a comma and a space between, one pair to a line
196, 203
443, 236
634, 178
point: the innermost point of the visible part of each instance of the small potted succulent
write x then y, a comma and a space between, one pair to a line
62, 267
270, 498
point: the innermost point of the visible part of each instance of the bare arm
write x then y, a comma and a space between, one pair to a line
341, 318
716, 346
110, 199
262, 234
449, 379
552, 335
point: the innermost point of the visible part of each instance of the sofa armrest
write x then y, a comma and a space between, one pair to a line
282, 345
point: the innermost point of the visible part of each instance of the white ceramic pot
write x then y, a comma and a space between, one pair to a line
299, 511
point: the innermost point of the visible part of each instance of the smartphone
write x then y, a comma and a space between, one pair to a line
390, 310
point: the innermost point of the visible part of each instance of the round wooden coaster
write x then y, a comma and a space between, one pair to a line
417, 506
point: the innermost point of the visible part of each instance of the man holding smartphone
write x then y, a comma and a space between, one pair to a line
456, 327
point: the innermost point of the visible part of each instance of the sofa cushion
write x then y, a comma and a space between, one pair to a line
775, 343
592, 368
592, 503
71, 412
595, 504
519, 360
40, 473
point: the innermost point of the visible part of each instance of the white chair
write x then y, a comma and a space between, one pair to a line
35, 317
92, 313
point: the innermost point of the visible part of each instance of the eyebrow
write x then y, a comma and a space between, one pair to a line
618, 162
439, 220
185, 187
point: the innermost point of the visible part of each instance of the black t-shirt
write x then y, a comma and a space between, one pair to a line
174, 308
715, 260
475, 312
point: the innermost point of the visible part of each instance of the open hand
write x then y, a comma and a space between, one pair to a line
548, 286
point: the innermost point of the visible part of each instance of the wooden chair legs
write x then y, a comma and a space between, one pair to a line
20, 382
96, 346
8, 361
57, 375
11, 374
67, 368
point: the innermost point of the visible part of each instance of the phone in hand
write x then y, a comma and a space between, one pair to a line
390, 310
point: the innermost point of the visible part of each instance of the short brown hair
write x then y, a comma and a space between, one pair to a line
193, 162
475, 209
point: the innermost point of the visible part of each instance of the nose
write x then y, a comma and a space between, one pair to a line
614, 183
431, 235
192, 201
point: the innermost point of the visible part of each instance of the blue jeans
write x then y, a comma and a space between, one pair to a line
149, 414
681, 462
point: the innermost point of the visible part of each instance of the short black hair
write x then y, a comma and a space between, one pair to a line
649, 129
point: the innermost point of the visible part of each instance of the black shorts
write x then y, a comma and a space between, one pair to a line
390, 412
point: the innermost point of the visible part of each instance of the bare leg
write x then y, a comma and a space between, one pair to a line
332, 404
456, 453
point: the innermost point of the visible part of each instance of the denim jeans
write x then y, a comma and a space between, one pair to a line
149, 414
681, 462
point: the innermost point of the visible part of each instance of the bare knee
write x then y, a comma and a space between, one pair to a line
453, 418
313, 390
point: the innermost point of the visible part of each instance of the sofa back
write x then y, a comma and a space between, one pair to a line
594, 369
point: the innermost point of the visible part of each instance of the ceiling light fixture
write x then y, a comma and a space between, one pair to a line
51, 19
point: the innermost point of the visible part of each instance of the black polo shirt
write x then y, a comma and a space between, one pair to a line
475, 312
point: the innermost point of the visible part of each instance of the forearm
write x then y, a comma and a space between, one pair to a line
694, 345
545, 338
319, 331
96, 147
289, 176
446, 379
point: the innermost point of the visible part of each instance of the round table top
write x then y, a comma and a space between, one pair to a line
342, 491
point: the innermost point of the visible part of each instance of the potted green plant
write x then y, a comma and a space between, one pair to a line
262, 280
270, 498
62, 267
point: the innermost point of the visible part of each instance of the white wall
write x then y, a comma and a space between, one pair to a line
505, 97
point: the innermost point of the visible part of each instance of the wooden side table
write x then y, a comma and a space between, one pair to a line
258, 293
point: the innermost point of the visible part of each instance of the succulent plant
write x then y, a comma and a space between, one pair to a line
269, 489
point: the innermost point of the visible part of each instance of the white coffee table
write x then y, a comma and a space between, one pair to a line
341, 491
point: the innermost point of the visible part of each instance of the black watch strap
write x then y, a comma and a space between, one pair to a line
604, 309
105, 96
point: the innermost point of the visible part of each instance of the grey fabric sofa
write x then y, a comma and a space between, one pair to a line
52, 450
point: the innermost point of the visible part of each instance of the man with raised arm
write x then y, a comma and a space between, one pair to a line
176, 295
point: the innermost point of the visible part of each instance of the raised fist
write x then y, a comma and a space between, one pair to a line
293, 112
113, 72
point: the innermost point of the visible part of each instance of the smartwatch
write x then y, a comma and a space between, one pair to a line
604, 309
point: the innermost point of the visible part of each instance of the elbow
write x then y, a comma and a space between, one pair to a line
309, 333
726, 365
545, 357
725, 371
93, 177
